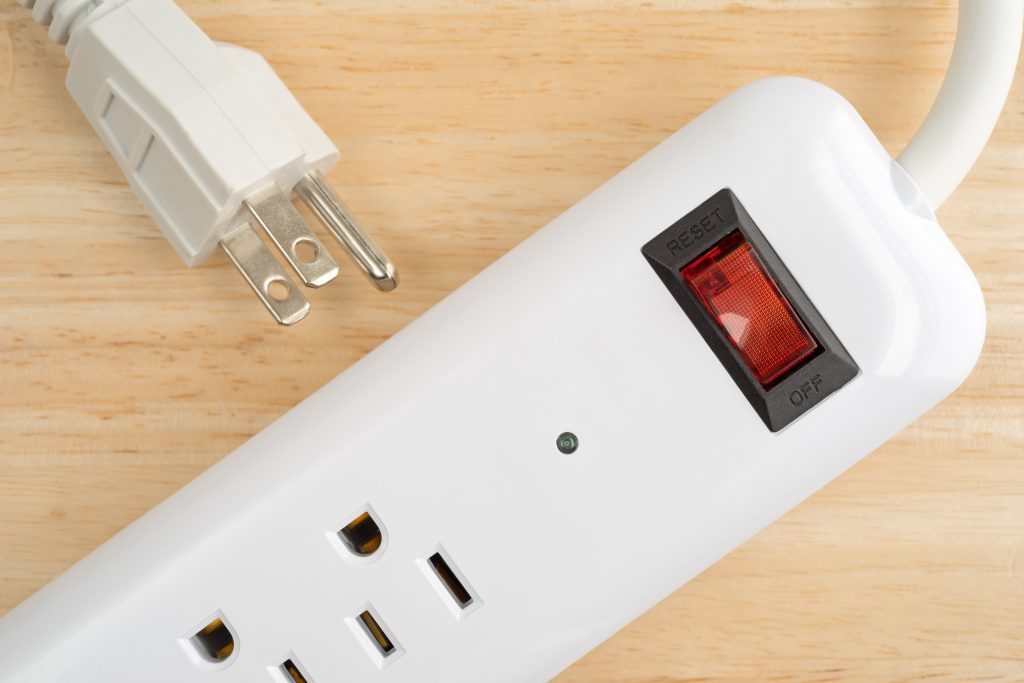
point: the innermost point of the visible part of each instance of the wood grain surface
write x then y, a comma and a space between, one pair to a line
465, 126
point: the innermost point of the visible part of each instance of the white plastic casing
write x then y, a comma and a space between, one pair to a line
447, 432
195, 126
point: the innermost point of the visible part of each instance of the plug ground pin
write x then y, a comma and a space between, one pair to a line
374, 263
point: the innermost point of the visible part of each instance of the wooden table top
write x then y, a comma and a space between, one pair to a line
464, 128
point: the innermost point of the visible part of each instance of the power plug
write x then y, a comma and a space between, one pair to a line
212, 142
645, 383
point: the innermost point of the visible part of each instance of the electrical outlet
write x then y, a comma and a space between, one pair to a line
677, 360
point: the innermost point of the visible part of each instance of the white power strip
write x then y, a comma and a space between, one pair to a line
568, 438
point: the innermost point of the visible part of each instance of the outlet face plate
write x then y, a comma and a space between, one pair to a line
569, 332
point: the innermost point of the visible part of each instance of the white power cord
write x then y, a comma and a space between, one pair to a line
968, 105
212, 142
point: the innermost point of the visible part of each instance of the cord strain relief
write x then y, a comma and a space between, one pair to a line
62, 17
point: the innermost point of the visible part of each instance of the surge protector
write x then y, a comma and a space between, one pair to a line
677, 360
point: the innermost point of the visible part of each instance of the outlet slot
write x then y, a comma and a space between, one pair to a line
362, 536
289, 670
214, 641
376, 632
377, 639
213, 644
292, 673
447, 576
449, 582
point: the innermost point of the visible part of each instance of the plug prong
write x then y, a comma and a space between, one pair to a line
273, 212
374, 263
264, 274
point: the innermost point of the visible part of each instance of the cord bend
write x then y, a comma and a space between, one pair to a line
971, 98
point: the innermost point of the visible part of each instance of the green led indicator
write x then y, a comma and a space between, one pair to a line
567, 442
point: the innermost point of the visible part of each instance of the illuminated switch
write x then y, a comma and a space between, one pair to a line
750, 309
731, 282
